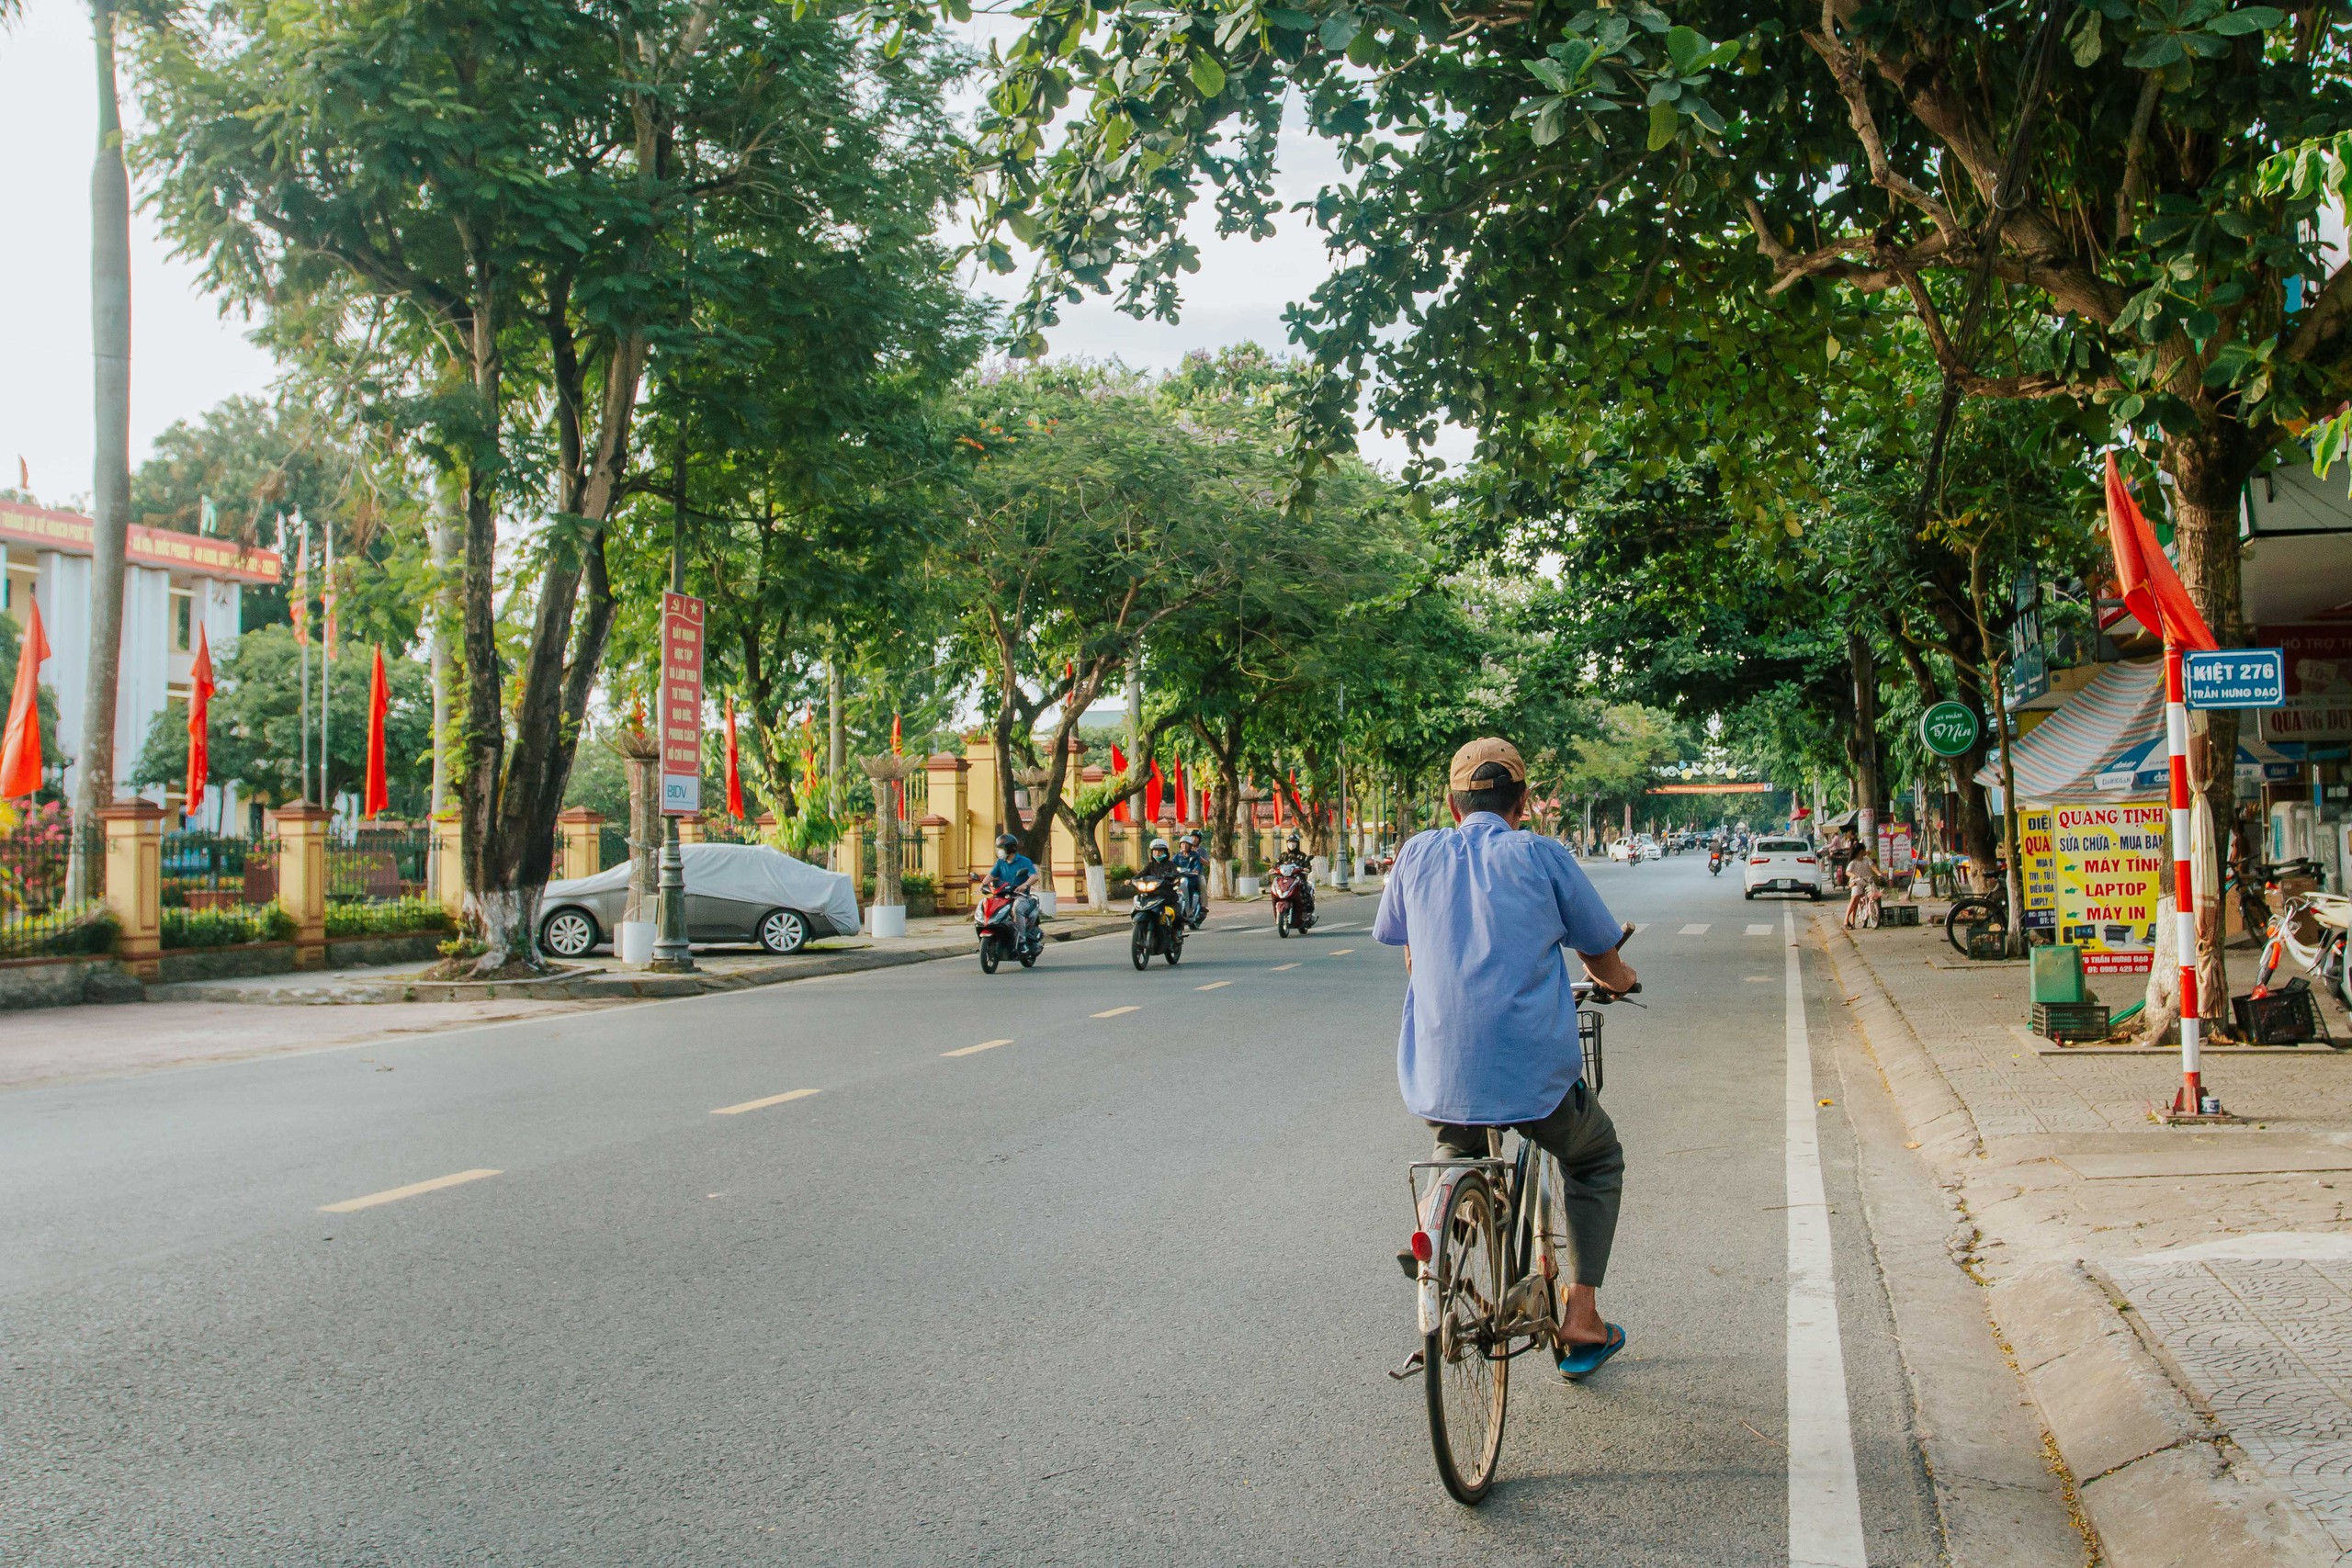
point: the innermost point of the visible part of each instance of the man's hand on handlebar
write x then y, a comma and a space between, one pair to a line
1611, 976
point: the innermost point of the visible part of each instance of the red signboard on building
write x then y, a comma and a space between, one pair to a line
2319, 684
199, 554
681, 703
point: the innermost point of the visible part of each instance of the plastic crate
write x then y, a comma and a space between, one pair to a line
2058, 974
2070, 1021
1898, 914
2287, 1016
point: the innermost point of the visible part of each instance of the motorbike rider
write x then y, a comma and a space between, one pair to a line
1194, 866
1017, 875
1294, 858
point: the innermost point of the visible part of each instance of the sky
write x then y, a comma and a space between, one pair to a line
186, 356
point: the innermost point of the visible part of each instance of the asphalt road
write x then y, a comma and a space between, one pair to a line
1119, 1290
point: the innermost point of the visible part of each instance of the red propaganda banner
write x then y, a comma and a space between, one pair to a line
680, 704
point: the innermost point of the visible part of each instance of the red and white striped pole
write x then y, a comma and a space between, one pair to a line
2191, 1098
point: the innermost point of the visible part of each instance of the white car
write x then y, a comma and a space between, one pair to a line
1624, 849
1651, 848
1783, 865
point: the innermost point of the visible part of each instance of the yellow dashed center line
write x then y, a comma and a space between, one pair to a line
1213, 986
1339, 953
393, 1195
1115, 1012
764, 1104
1280, 967
971, 1050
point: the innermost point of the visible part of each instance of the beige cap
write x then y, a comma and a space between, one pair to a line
1476, 756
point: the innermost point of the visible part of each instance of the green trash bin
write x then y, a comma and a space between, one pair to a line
2057, 976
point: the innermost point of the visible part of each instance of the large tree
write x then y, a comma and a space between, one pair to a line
1558, 213
548, 198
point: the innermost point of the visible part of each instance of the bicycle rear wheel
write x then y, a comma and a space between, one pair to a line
1465, 1368
1974, 922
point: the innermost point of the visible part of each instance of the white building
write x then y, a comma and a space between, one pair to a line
173, 583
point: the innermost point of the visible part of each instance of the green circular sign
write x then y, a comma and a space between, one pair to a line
1949, 729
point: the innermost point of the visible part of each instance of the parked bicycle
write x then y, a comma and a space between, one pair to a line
1486, 1261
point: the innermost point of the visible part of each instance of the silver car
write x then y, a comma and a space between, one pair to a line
735, 893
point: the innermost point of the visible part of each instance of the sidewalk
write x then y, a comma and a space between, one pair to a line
2178, 1301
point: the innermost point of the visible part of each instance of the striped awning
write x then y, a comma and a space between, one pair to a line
2146, 766
2117, 709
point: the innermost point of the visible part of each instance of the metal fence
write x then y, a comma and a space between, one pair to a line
378, 862
216, 870
612, 846
51, 882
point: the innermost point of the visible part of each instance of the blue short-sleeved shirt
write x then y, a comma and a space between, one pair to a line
1489, 1035
1014, 872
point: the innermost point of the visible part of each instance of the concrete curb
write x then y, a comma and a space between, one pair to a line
2152, 1475
596, 985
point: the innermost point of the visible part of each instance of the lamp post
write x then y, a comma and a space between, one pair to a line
671, 953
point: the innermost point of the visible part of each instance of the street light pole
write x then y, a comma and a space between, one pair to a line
671, 953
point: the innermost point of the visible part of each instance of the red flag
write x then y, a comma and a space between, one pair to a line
1153, 788
199, 725
734, 768
301, 605
2152, 589
376, 796
20, 753
1184, 794
1120, 812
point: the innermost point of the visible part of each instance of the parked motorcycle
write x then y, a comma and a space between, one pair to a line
998, 921
1294, 897
1159, 918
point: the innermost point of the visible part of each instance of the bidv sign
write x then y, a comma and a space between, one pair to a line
2235, 678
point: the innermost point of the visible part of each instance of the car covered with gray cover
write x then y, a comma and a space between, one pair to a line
734, 892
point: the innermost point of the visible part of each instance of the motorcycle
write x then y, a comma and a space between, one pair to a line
1293, 900
1716, 864
998, 921
1195, 904
1159, 918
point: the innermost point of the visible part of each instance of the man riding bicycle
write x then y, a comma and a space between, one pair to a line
1489, 1033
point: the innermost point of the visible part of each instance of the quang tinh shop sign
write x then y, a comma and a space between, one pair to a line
2090, 872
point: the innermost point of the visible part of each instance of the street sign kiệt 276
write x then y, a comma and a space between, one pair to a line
2235, 678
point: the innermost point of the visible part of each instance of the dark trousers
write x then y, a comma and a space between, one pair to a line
1579, 1134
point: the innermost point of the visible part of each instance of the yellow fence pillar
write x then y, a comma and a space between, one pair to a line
583, 848
448, 862
690, 828
301, 832
134, 883
952, 859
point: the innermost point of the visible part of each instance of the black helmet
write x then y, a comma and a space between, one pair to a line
1007, 842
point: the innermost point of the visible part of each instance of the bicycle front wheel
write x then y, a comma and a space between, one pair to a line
1465, 1366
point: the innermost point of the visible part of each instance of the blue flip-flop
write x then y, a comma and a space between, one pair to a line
1586, 1359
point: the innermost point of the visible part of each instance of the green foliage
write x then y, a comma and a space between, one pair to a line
51, 933
391, 916
227, 928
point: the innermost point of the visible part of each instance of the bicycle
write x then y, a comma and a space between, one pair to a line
1485, 1259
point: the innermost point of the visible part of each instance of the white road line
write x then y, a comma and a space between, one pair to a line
1699, 928
1213, 986
395, 1194
974, 1049
764, 1104
1759, 929
1824, 1499
1116, 1011
1280, 967
1339, 953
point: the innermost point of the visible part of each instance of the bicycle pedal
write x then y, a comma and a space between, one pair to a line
1411, 1368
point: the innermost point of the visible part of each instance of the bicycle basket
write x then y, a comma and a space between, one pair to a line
1588, 1037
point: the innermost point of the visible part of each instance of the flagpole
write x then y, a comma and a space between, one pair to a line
326, 664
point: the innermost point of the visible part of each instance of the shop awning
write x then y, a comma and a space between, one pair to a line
2144, 767
2117, 709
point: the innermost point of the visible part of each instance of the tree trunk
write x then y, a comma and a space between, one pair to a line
111, 460
1863, 667
2209, 472
441, 537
